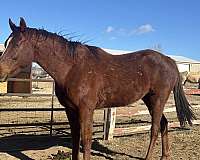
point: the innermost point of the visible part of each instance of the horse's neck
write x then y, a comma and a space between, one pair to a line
54, 60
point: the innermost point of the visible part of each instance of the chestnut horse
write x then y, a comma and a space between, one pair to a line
87, 78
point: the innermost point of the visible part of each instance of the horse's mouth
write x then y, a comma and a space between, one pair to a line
4, 78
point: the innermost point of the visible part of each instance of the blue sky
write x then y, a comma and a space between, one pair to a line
173, 25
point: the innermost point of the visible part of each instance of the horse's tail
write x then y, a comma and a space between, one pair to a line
183, 108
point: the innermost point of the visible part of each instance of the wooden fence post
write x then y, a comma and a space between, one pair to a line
109, 123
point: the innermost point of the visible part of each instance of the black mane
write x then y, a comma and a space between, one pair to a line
72, 45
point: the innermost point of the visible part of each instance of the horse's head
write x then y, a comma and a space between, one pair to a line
18, 52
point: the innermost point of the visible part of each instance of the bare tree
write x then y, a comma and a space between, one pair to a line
157, 47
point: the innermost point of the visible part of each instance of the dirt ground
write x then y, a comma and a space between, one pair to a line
184, 146
34, 143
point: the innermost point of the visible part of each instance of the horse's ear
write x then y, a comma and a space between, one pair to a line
13, 27
22, 24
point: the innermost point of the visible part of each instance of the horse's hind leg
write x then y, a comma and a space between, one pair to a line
155, 106
199, 84
164, 136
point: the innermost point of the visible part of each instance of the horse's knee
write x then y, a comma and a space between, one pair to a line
154, 131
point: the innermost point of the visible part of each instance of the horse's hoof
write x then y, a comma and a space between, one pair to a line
165, 158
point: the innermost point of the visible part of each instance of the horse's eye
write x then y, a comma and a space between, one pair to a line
14, 58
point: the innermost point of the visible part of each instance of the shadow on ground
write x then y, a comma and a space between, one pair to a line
14, 145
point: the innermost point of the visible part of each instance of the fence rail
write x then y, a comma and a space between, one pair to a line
33, 124
30, 80
29, 109
25, 94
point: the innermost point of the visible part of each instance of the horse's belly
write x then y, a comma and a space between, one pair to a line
120, 99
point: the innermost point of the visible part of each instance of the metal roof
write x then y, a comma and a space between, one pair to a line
178, 59
183, 59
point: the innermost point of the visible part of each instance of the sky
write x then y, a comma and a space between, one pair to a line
172, 26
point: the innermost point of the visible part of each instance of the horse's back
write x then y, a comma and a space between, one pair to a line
146, 63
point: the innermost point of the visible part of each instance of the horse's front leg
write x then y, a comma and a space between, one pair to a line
86, 120
73, 117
